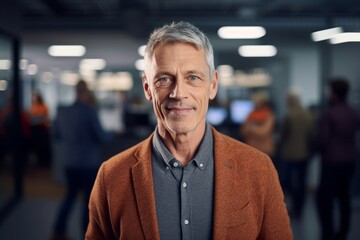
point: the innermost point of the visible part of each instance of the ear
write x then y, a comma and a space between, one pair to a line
214, 84
146, 87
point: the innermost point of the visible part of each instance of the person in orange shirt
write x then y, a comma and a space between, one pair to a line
40, 124
259, 125
39, 111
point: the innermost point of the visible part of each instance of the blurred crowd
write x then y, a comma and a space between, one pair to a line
332, 135
302, 134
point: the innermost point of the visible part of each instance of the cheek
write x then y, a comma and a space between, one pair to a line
202, 99
159, 96
158, 101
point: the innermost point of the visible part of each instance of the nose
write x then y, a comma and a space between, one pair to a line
179, 90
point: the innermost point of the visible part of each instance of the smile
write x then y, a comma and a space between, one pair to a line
180, 111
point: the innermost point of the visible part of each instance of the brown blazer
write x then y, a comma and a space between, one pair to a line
248, 201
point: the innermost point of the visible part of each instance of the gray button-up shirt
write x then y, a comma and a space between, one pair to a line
184, 195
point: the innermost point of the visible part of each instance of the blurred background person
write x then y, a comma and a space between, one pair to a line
79, 129
258, 129
40, 130
296, 136
338, 129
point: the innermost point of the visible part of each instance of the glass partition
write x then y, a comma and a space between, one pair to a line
6, 83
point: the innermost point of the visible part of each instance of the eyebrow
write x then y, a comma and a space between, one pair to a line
196, 73
163, 73
188, 72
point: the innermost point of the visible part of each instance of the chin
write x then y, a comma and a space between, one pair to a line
179, 129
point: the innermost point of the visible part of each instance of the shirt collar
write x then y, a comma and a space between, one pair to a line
204, 152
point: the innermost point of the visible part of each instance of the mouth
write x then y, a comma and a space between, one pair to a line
179, 111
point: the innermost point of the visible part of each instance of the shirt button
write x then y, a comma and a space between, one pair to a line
184, 184
168, 168
201, 165
175, 164
186, 222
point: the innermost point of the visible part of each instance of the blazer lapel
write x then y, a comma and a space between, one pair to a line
230, 195
144, 191
223, 188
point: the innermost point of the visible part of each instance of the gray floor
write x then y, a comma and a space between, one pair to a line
307, 228
33, 219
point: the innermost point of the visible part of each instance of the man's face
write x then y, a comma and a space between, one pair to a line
177, 80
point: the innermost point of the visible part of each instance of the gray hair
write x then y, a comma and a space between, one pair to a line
181, 32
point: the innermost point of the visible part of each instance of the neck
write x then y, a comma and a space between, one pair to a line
182, 146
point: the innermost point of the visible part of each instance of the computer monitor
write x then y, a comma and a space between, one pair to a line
240, 109
216, 115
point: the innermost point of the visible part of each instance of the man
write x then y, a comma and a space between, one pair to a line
258, 129
296, 135
40, 130
338, 129
186, 181
81, 134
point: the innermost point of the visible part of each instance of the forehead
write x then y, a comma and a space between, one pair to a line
177, 51
171, 57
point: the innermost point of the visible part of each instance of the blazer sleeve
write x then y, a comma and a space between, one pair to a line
99, 216
276, 221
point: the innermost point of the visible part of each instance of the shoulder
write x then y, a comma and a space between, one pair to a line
122, 162
243, 164
244, 155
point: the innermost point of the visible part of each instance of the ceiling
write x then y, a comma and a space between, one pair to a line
114, 29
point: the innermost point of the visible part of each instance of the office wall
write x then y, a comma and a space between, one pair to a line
304, 71
298, 67
345, 62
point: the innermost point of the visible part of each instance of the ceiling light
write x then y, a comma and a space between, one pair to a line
245, 32
88, 75
345, 37
325, 34
226, 75
141, 50
69, 78
5, 64
47, 77
3, 85
121, 81
23, 64
92, 64
257, 50
140, 64
225, 70
32, 69
257, 78
66, 50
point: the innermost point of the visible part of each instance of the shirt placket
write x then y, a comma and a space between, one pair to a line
185, 195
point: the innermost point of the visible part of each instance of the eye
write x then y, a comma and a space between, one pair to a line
163, 81
193, 77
